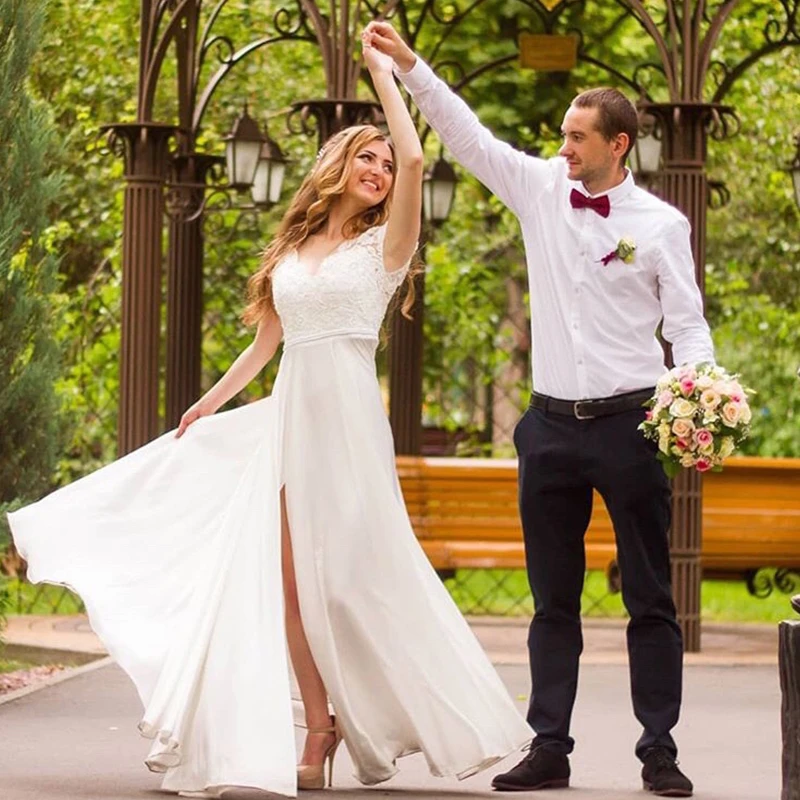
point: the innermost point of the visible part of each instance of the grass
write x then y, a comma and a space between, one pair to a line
25, 598
729, 601
505, 592
11, 666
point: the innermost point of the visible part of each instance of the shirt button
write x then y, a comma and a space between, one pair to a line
574, 326
580, 361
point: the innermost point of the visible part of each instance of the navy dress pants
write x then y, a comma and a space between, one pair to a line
561, 460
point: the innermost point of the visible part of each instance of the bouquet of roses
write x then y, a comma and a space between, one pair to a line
698, 415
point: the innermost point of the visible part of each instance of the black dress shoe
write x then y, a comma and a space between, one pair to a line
660, 774
542, 768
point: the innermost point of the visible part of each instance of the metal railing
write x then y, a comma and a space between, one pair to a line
493, 592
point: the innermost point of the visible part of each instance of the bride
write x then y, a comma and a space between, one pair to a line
201, 554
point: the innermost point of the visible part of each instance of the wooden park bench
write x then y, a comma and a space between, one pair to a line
464, 513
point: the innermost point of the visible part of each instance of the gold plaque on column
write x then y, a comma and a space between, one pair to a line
546, 52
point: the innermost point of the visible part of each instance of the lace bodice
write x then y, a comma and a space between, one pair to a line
348, 294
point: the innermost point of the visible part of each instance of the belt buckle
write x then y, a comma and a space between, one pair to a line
577, 413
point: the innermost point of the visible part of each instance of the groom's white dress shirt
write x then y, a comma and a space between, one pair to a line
593, 325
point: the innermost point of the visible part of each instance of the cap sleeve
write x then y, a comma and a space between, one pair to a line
389, 281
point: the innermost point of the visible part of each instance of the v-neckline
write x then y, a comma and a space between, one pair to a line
322, 261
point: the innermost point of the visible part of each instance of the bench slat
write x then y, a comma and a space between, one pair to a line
464, 512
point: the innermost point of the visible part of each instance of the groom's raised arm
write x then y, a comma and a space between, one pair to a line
513, 176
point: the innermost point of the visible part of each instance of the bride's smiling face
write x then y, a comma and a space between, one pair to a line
372, 173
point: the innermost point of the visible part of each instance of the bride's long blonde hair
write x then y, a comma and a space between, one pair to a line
309, 211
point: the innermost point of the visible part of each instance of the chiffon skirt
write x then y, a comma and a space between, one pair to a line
175, 550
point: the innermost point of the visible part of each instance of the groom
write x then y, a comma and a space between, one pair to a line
595, 307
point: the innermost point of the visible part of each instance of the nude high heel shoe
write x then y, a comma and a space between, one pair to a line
312, 776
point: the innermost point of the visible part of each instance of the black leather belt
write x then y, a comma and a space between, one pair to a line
589, 409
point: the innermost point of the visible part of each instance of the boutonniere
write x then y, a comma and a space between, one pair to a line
625, 252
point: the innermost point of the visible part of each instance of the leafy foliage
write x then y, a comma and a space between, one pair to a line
86, 74
752, 244
28, 265
753, 265
29, 359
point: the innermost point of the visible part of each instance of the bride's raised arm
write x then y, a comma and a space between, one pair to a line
402, 230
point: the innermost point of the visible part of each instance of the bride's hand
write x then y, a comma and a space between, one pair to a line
192, 414
376, 61
381, 36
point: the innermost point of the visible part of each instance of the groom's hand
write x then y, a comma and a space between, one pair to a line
385, 39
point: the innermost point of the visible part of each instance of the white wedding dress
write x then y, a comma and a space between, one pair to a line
175, 550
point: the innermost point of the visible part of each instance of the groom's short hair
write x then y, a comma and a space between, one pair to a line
615, 113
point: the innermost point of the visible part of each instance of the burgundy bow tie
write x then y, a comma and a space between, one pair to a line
601, 204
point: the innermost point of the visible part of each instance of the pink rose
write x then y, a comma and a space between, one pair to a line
704, 437
687, 372
687, 386
648, 415
665, 399
736, 392
703, 464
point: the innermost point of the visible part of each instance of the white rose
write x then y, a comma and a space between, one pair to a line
705, 382
682, 428
726, 447
709, 399
682, 408
687, 460
747, 414
720, 387
626, 249
663, 383
731, 414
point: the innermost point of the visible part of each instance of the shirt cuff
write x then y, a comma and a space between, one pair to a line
417, 77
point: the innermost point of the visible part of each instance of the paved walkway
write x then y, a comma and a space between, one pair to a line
77, 740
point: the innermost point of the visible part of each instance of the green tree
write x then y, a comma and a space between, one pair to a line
753, 262
753, 269
86, 72
29, 362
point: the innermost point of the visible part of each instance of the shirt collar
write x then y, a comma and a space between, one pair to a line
616, 194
